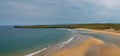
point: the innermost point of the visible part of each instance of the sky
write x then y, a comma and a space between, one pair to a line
38, 12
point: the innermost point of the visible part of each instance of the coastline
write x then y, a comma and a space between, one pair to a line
99, 49
50, 49
81, 49
70, 43
79, 42
74, 45
113, 32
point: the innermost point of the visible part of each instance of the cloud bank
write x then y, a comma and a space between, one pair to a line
59, 11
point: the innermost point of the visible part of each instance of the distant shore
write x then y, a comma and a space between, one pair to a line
108, 31
104, 28
73, 26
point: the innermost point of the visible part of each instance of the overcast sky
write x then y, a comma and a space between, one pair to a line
36, 12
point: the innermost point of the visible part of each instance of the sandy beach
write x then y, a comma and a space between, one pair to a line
84, 46
58, 47
112, 31
80, 50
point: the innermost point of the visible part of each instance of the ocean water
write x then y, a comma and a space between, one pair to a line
30, 41
22, 41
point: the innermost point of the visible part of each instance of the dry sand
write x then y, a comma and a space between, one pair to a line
91, 47
111, 50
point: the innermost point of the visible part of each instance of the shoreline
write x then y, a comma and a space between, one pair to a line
76, 42
101, 31
52, 48
70, 43
80, 49
100, 48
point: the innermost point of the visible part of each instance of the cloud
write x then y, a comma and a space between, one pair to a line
92, 9
110, 3
57, 8
27, 9
60, 11
20, 8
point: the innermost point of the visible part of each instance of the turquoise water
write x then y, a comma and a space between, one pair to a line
21, 41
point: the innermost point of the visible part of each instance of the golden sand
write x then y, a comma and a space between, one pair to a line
111, 50
84, 48
81, 50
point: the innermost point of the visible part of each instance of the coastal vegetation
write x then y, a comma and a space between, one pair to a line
72, 26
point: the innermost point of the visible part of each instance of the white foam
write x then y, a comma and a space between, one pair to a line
66, 42
62, 45
71, 30
31, 54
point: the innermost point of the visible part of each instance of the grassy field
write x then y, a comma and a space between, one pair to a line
72, 26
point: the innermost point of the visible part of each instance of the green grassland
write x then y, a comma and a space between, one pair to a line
72, 26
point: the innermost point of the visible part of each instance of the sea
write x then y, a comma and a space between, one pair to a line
30, 41
22, 41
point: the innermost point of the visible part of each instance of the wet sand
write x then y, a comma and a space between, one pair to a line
78, 39
108, 49
84, 46
80, 50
